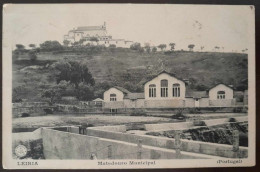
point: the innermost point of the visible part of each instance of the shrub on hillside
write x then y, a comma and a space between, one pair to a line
48, 111
25, 115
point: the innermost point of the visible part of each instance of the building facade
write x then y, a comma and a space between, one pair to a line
168, 91
87, 33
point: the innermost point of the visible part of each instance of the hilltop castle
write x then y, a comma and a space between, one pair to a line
99, 32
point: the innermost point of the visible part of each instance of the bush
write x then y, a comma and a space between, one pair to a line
75, 109
194, 111
25, 115
178, 116
138, 112
48, 111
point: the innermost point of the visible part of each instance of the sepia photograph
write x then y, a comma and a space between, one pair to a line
101, 86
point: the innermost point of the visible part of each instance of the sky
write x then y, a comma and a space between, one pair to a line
208, 26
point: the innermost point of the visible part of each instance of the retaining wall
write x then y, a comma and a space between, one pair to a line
64, 145
187, 145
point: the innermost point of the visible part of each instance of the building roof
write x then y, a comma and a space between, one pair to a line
122, 89
196, 94
222, 84
134, 96
171, 74
98, 100
88, 28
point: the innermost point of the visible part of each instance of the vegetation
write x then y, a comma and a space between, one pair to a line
162, 46
51, 46
89, 68
172, 45
191, 46
74, 72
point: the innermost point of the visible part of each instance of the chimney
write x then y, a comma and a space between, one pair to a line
187, 82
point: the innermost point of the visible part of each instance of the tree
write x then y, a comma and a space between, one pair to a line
217, 48
18, 93
32, 55
201, 48
191, 46
162, 46
20, 46
66, 42
51, 46
84, 92
32, 46
73, 71
54, 93
172, 45
135, 46
81, 41
112, 47
154, 49
147, 47
95, 39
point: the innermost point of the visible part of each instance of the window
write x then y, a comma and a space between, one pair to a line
112, 97
176, 90
164, 88
221, 95
152, 90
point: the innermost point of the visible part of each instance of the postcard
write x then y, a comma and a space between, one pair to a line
127, 86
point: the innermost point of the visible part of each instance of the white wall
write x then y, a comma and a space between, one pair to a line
157, 82
220, 87
119, 94
138, 103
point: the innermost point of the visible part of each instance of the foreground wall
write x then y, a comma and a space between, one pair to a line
65, 145
163, 142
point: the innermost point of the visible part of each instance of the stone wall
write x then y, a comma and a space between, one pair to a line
164, 142
222, 102
64, 145
164, 103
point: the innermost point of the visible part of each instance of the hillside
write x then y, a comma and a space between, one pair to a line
130, 69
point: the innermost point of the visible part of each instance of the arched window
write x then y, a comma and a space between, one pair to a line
164, 88
176, 90
221, 95
112, 97
152, 90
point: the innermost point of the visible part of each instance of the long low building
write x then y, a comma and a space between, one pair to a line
167, 91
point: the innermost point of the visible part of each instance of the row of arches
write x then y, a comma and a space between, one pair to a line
164, 89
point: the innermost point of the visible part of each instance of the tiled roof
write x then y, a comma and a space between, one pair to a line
122, 89
166, 73
98, 99
85, 28
134, 96
222, 84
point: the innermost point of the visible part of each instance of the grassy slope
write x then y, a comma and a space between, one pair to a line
206, 68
